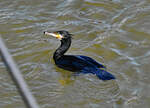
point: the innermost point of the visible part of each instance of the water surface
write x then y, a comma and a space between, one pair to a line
114, 32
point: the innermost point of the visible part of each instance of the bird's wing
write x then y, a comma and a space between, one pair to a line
82, 65
89, 59
73, 63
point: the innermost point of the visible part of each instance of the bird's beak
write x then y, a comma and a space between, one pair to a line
54, 34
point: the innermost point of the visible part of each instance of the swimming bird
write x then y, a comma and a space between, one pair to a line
76, 63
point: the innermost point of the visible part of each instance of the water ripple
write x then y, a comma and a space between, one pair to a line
114, 32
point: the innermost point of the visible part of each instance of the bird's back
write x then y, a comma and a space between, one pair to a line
83, 64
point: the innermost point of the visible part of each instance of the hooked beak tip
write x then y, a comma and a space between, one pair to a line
45, 32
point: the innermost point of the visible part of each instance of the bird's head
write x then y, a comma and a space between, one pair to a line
61, 35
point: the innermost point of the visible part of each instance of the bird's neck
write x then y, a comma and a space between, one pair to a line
65, 44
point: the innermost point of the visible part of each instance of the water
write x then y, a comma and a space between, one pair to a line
114, 32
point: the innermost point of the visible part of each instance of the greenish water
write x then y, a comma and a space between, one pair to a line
114, 32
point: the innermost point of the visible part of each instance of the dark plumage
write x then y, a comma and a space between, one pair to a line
76, 63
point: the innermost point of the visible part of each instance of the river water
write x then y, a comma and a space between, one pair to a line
114, 32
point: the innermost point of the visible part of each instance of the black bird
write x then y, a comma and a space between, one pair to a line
76, 63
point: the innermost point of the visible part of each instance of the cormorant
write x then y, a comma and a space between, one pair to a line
76, 63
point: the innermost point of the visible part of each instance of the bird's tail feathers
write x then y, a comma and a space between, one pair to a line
104, 75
